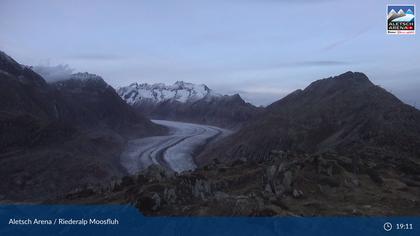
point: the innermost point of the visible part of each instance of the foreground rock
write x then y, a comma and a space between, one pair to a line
284, 184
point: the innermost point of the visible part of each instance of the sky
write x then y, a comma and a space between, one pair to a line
261, 49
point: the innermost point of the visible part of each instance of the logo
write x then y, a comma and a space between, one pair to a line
401, 19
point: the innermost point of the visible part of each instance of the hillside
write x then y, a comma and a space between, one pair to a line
346, 114
60, 136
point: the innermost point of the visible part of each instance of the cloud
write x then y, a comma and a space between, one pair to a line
345, 40
54, 73
94, 56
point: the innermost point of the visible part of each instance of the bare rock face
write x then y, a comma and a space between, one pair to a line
157, 173
150, 202
297, 193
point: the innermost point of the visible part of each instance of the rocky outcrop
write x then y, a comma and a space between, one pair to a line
284, 184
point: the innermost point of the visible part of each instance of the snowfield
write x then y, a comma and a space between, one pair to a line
175, 151
180, 91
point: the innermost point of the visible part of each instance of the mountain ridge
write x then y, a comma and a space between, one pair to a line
55, 137
342, 113
180, 91
188, 102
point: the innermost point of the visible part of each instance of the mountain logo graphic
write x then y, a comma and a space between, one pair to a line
401, 19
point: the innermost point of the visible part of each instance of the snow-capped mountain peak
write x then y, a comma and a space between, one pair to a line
180, 91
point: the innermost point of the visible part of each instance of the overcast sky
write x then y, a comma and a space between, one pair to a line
262, 49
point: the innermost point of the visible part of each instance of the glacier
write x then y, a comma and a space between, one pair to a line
174, 151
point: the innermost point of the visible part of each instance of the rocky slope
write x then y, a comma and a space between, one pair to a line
346, 114
90, 102
285, 184
188, 102
56, 137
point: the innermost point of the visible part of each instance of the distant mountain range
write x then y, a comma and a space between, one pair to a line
188, 102
157, 93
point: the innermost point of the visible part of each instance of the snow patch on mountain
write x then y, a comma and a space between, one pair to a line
180, 91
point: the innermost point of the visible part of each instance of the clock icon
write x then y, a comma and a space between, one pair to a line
387, 226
